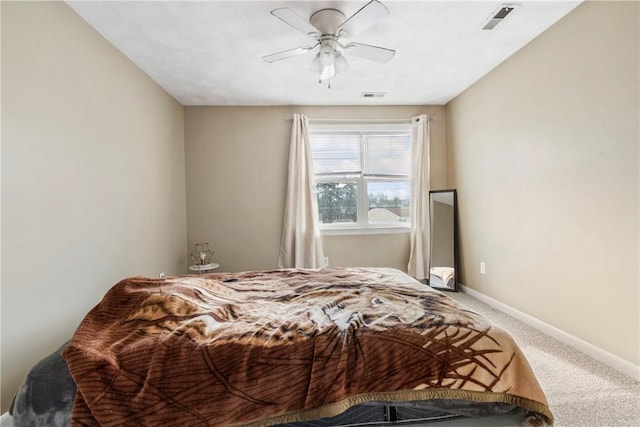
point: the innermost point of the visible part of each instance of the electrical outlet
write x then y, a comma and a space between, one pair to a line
326, 261
483, 268
161, 274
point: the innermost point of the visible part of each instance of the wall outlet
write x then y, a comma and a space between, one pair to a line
161, 274
483, 268
326, 261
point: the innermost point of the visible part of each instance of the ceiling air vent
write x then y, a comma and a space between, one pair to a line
499, 16
367, 95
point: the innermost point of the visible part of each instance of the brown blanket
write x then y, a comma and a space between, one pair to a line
263, 348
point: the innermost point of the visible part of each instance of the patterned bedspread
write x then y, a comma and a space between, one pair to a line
263, 348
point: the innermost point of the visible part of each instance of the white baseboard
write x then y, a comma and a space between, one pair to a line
591, 350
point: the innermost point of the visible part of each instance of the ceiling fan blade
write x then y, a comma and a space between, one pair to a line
291, 18
374, 53
287, 53
367, 16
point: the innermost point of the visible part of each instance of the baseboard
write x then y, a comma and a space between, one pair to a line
616, 362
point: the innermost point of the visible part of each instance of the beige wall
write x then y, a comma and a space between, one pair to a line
236, 166
544, 154
93, 186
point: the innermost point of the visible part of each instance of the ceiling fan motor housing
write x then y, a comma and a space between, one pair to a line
327, 20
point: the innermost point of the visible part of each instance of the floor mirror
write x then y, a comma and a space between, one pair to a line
443, 254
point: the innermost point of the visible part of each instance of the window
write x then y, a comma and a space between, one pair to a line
362, 175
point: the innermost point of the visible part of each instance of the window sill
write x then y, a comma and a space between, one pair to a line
347, 231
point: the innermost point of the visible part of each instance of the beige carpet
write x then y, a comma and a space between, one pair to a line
581, 391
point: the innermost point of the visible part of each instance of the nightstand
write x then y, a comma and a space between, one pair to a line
203, 268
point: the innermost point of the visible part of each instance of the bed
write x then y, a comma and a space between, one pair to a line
442, 277
291, 347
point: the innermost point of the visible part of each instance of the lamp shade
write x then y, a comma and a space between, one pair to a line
340, 63
315, 64
201, 254
328, 62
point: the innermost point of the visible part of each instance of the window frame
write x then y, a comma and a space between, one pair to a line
362, 226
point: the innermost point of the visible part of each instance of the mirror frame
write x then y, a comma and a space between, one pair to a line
455, 239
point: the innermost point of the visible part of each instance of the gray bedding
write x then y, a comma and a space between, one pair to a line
45, 398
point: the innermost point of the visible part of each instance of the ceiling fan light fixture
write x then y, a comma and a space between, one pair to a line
315, 64
340, 63
327, 55
327, 72
328, 62
326, 69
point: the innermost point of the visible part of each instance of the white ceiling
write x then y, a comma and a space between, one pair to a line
209, 52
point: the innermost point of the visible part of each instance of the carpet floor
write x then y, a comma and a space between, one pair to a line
581, 391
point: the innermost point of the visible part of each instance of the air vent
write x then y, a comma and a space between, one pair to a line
499, 16
373, 94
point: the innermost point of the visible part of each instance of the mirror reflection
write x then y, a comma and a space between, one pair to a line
443, 253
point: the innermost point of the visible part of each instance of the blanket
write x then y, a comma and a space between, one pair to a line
267, 347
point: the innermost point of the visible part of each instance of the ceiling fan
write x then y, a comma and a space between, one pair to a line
327, 27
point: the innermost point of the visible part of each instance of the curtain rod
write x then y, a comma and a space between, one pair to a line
382, 121
362, 120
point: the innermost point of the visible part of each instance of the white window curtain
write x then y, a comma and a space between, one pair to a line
301, 245
420, 234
